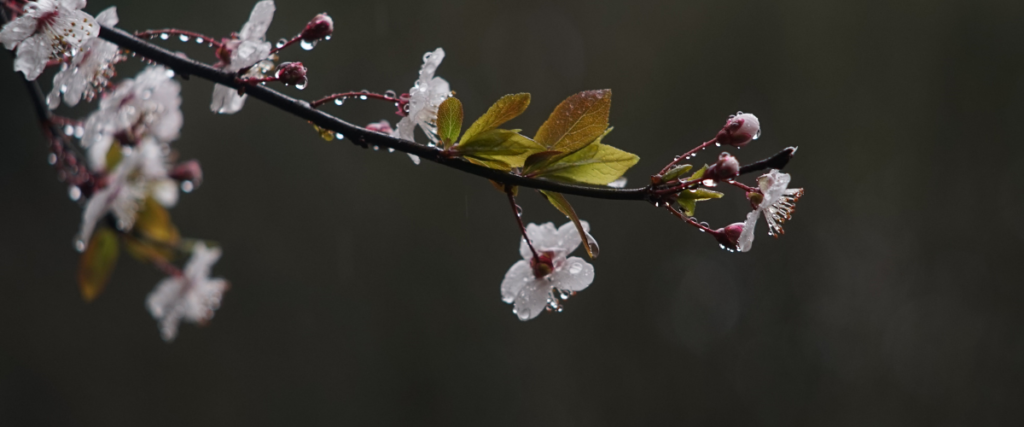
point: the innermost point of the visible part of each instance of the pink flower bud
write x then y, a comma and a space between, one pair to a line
726, 167
320, 27
292, 73
739, 130
188, 171
730, 235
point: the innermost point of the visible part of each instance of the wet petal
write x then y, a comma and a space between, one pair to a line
259, 21
226, 100
544, 238
17, 30
575, 275
32, 56
746, 240
515, 279
532, 299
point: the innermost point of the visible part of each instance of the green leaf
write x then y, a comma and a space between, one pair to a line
559, 202
688, 199
97, 263
449, 120
154, 223
596, 164
677, 171
577, 121
499, 147
697, 175
326, 134
505, 109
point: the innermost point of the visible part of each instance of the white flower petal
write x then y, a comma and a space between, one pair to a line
746, 240
259, 21
107, 17
226, 100
248, 53
574, 275
532, 299
405, 129
32, 55
165, 192
17, 30
542, 236
515, 279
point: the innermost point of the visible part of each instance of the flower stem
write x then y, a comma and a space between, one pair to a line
286, 44
345, 95
684, 156
519, 220
191, 34
689, 220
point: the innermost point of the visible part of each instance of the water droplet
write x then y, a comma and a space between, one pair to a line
164, 36
187, 186
339, 101
718, 144
169, 73
519, 210
183, 38
376, 148
327, 37
281, 43
64, 88
391, 150
758, 134
705, 224
390, 93
69, 130
362, 97
74, 193
301, 85
307, 45
575, 268
79, 245
199, 40
709, 183
721, 246
339, 136
51, 159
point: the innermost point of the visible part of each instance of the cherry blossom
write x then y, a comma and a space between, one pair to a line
777, 205
148, 105
90, 70
531, 282
48, 29
191, 296
141, 173
424, 98
242, 52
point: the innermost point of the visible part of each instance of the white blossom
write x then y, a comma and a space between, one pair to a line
48, 29
148, 105
244, 51
532, 289
192, 296
90, 70
424, 98
141, 173
777, 206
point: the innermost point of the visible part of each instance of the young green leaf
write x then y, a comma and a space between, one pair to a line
688, 199
505, 109
577, 121
504, 146
596, 164
97, 263
154, 223
697, 175
559, 202
449, 120
677, 171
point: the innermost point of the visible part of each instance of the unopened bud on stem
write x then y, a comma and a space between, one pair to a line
321, 26
726, 167
291, 73
188, 171
739, 130
730, 235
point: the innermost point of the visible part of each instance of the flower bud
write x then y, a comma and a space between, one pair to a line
726, 167
188, 171
730, 235
739, 130
321, 26
291, 73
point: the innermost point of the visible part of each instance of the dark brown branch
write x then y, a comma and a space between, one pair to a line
186, 67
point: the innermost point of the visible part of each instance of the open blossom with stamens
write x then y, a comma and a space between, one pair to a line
148, 105
90, 70
243, 52
192, 296
48, 29
424, 98
141, 173
777, 205
530, 283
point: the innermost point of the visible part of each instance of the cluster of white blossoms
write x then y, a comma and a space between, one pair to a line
777, 205
89, 71
530, 285
245, 51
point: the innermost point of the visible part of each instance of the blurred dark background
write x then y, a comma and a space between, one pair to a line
365, 289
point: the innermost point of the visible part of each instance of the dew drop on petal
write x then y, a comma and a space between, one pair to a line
74, 193
183, 38
69, 130
575, 268
169, 73
758, 134
187, 186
